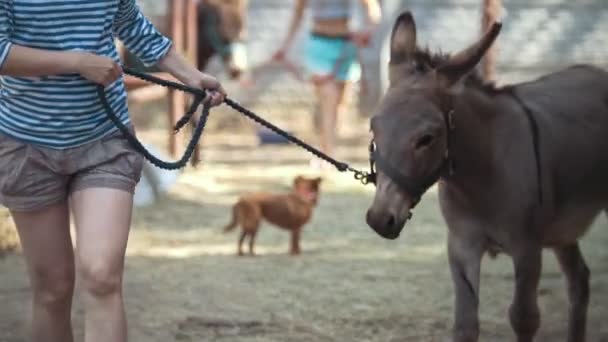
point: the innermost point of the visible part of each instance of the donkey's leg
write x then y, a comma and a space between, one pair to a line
465, 255
577, 279
524, 312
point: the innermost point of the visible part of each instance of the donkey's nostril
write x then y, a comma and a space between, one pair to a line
425, 141
380, 220
391, 221
385, 224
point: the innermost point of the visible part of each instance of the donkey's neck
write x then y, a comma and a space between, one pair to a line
205, 49
205, 52
472, 139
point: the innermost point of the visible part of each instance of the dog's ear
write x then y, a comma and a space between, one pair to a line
297, 180
318, 180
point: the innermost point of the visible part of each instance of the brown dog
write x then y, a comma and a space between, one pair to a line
290, 211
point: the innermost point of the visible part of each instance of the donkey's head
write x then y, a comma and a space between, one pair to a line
221, 31
412, 124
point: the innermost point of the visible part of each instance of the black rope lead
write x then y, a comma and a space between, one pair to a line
198, 132
200, 96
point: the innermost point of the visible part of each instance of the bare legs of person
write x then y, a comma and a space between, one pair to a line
102, 217
47, 248
331, 97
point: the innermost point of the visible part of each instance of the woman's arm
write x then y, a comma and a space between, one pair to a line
296, 21
138, 34
175, 64
142, 39
373, 15
23, 61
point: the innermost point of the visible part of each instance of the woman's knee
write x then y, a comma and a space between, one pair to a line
99, 278
53, 287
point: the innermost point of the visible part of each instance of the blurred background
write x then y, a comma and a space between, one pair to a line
183, 280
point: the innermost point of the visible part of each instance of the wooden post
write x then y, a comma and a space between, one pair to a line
177, 99
191, 27
192, 31
490, 13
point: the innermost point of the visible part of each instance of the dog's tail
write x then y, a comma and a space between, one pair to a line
234, 221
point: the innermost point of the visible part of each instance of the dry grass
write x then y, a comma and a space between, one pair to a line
184, 283
9, 240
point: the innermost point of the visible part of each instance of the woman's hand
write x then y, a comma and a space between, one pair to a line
215, 91
361, 39
279, 55
98, 69
175, 64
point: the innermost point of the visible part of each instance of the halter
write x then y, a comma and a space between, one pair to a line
405, 183
412, 188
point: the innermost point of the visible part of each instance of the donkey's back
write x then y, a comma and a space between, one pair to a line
571, 108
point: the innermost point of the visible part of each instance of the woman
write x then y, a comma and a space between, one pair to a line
331, 55
59, 152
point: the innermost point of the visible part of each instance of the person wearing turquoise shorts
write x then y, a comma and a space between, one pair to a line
331, 55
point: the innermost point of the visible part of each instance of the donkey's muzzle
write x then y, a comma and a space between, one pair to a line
385, 224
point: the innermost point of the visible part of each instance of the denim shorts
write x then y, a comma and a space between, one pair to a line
332, 55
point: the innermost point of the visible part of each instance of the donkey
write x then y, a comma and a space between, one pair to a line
519, 168
222, 29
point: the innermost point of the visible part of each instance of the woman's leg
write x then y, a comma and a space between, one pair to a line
343, 94
331, 90
47, 248
327, 94
103, 218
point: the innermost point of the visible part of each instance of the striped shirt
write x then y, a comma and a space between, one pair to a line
63, 111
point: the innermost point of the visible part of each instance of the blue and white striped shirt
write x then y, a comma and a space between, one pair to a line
63, 111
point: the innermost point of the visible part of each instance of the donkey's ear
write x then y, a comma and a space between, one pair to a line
465, 61
403, 38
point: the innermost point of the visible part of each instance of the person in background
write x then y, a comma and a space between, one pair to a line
60, 153
331, 56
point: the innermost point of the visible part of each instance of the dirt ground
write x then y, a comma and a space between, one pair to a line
183, 281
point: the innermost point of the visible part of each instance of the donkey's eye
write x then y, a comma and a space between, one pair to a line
419, 67
424, 141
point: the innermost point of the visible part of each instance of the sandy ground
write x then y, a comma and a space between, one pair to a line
183, 281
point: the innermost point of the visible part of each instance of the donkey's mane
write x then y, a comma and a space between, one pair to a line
426, 57
430, 60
